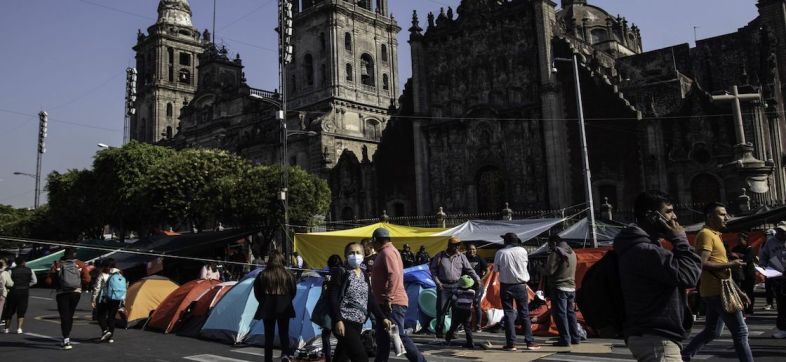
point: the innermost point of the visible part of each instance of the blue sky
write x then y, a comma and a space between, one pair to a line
68, 57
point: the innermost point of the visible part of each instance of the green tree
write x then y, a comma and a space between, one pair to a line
186, 188
74, 205
123, 176
252, 198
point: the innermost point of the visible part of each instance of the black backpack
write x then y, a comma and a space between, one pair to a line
600, 297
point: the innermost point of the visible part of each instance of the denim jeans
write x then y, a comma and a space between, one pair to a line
396, 315
713, 325
477, 310
517, 292
563, 310
444, 296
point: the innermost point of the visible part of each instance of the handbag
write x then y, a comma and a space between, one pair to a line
733, 299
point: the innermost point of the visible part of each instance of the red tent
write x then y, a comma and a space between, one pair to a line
168, 312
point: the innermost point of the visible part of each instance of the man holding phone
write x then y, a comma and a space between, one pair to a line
716, 267
654, 279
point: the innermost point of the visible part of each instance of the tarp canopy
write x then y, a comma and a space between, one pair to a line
145, 296
43, 263
491, 230
316, 248
170, 310
605, 231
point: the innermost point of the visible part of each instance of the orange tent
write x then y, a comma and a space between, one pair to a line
208, 300
168, 312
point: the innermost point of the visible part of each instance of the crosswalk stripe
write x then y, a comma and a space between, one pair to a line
584, 358
47, 337
213, 358
260, 353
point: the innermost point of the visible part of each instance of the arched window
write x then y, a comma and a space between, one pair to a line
184, 76
348, 42
323, 74
347, 213
367, 69
598, 35
308, 69
171, 60
372, 129
322, 43
349, 72
385, 82
168, 132
169, 110
384, 53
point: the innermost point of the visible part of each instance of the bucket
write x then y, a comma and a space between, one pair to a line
427, 300
433, 325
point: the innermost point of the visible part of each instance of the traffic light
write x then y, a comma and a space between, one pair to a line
130, 91
285, 30
42, 121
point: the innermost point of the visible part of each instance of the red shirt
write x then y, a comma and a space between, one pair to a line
387, 277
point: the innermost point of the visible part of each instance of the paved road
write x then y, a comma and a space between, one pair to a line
40, 342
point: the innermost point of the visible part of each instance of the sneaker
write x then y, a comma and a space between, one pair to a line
768, 307
6, 331
510, 348
532, 346
67, 345
106, 336
780, 334
111, 340
19, 331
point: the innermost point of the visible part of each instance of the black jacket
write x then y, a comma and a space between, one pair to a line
653, 281
337, 287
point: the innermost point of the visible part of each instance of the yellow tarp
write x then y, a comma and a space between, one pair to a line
316, 248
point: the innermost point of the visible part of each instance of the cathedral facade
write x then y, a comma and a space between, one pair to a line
489, 115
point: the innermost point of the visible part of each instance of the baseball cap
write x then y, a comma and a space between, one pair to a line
380, 233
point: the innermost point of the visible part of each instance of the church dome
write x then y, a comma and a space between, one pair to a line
174, 12
599, 28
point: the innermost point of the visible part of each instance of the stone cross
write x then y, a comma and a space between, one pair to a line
735, 99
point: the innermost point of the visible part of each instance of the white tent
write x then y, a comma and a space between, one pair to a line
492, 230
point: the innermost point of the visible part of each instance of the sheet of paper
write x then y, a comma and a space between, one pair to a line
768, 272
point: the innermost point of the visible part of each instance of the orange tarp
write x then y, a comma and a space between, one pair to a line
168, 312
211, 298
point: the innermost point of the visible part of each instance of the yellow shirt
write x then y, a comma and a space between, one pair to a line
710, 240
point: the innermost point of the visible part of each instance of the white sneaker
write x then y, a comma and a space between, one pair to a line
111, 340
106, 336
19, 331
6, 331
780, 334
768, 307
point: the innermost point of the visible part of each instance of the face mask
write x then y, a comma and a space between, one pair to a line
355, 260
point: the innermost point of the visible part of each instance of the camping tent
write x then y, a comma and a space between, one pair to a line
194, 317
145, 296
491, 230
316, 248
231, 319
170, 310
301, 329
605, 231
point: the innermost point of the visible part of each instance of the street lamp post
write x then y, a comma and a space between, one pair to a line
285, 51
584, 152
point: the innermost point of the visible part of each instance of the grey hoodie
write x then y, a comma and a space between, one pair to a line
653, 281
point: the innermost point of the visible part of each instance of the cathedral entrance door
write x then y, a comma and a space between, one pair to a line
490, 189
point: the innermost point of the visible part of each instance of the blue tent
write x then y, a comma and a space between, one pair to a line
416, 279
233, 317
309, 288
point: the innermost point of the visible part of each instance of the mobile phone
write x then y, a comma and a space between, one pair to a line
656, 218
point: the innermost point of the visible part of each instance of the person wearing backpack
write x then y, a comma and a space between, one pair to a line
5, 283
22, 279
351, 302
653, 279
108, 295
68, 275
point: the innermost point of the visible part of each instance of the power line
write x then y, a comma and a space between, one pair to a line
87, 92
63, 121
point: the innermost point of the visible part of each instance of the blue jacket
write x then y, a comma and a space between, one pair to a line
653, 282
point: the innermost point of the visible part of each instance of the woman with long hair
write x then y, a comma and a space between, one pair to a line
275, 289
351, 301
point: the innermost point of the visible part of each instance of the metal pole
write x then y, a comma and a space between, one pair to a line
585, 153
282, 115
42, 121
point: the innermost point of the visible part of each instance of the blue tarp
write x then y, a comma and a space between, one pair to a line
233, 317
419, 274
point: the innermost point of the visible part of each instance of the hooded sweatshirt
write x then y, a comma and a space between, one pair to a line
653, 281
